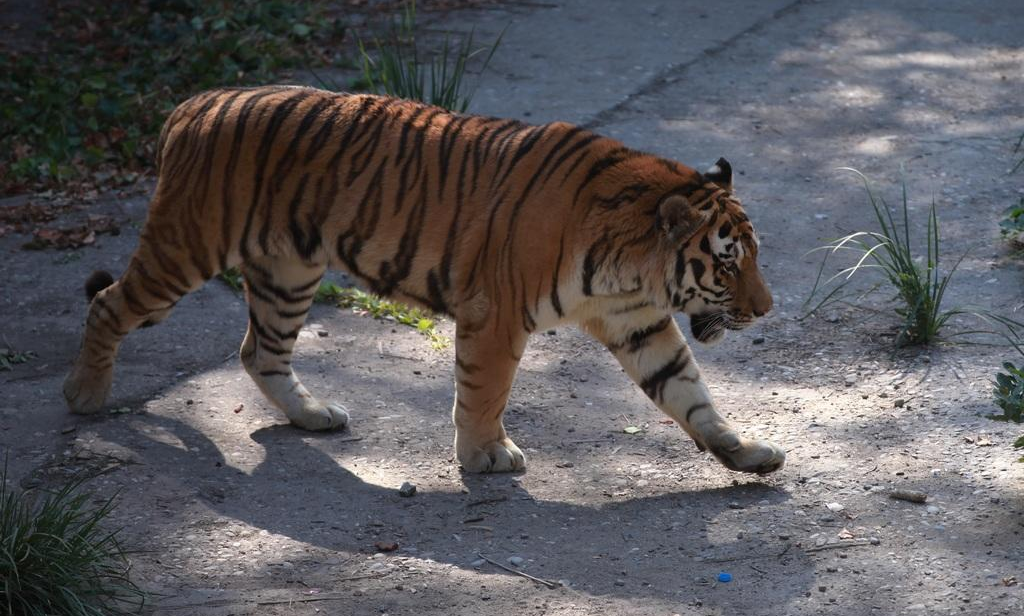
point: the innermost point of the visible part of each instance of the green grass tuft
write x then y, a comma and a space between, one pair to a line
399, 67
917, 279
232, 277
10, 358
55, 557
371, 305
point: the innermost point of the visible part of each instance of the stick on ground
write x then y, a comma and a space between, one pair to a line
547, 583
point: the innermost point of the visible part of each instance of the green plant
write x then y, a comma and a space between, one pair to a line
916, 279
1011, 227
371, 305
9, 358
232, 277
398, 67
55, 557
1009, 393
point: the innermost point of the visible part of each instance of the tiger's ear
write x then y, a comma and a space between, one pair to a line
720, 173
678, 219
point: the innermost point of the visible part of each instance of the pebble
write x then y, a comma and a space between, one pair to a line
874, 540
407, 490
515, 561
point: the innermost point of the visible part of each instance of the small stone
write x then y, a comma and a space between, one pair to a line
822, 589
874, 540
735, 505
932, 509
834, 507
476, 564
407, 490
899, 403
323, 333
758, 340
68, 429
784, 537
515, 561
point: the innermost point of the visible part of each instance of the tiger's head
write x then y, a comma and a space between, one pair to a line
711, 270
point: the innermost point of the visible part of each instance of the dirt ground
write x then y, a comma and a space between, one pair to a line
231, 511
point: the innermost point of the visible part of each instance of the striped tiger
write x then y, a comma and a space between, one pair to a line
505, 227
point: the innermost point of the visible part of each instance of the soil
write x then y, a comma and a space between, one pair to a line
231, 511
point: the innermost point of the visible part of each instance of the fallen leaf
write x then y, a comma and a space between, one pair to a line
846, 534
631, 430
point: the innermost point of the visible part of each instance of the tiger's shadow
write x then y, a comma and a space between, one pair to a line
301, 491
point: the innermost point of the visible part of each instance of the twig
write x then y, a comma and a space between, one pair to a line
837, 546
302, 600
745, 557
547, 583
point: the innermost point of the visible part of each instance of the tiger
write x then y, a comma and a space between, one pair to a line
507, 228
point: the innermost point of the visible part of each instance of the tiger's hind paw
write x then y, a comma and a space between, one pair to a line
500, 456
85, 392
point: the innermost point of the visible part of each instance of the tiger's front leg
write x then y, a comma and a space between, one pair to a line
485, 366
654, 353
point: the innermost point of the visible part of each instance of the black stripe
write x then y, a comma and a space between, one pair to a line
282, 111
609, 160
275, 373
467, 367
654, 385
695, 408
556, 302
306, 241
576, 147
639, 338
228, 175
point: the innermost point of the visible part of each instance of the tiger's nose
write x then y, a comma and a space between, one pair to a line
762, 305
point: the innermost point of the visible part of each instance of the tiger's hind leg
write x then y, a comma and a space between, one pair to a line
280, 292
144, 295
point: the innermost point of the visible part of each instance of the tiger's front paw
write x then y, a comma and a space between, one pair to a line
500, 456
85, 391
748, 456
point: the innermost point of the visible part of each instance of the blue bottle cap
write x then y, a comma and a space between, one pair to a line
724, 577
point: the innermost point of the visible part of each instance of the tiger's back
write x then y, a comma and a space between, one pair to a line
507, 227
406, 197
